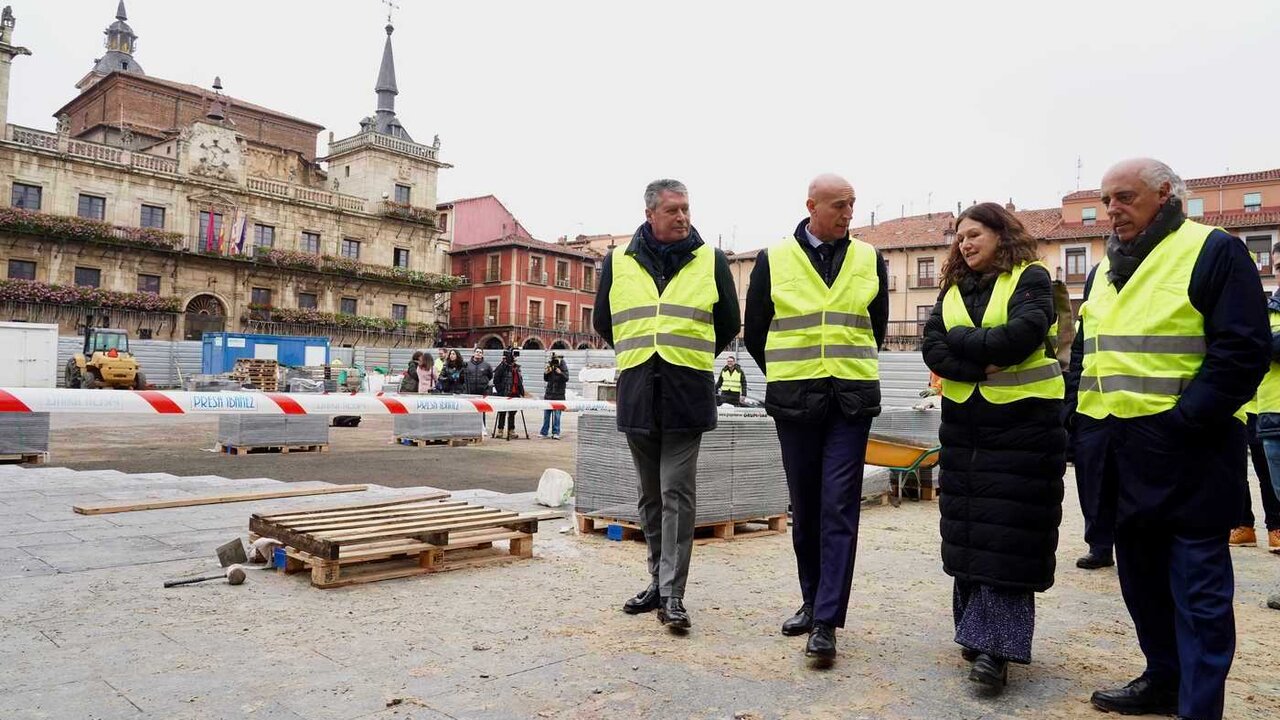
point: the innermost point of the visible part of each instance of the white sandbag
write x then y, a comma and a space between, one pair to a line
555, 487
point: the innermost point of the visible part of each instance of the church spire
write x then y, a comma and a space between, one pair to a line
121, 43
386, 87
384, 121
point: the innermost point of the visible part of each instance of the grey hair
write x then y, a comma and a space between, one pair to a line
655, 188
1155, 173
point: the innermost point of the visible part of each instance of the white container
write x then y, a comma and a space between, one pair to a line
28, 355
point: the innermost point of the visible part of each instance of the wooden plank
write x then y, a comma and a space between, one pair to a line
508, 520
334, 525
337, 515
438, 495
411, 527
213, 499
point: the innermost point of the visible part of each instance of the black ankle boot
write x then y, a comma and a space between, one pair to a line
990, 671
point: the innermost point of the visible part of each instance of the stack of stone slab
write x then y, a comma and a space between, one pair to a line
24, 433
740, 474
273, 430
211, 383
439, 426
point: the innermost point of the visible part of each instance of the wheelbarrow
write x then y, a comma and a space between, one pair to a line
903, 458
906, 442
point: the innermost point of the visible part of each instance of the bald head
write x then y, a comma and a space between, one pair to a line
830, 207
1133, 191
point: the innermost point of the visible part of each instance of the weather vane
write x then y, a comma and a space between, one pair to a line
392, 6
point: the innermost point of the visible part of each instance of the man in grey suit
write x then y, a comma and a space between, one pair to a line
668, 306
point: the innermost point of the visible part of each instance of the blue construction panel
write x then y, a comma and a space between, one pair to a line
221, 350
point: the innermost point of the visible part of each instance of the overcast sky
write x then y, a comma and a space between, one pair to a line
566, 109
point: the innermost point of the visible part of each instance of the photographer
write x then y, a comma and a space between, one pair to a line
508, 381
557, 376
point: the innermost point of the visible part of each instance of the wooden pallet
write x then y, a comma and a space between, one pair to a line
281, 449
353, 544
261, 373
703, 532
450, 442
25, 459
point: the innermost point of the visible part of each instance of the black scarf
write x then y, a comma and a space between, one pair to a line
668, 254
1126, 257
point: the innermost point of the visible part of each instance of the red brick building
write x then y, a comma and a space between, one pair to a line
523, 292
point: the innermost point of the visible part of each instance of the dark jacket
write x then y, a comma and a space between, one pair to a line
410, 382
1002, 464
557, 380
737, 369
810, 400
658, 396
508, 380
452, 380
1269, 422
476, 377
1179, 469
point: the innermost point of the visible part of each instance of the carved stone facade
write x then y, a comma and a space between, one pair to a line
123, 196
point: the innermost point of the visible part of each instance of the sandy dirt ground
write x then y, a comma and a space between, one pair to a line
180, 445
87, 632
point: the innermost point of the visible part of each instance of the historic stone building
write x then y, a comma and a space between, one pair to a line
172, 210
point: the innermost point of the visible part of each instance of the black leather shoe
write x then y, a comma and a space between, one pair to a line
969, 654
990, 671
1140, 697
800, 623
671, 613
645, 601
822, 642
1094, 561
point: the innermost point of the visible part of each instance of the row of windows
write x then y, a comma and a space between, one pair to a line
311, 301
535, 311
93, 207
537, 272
84, 276
1195, 208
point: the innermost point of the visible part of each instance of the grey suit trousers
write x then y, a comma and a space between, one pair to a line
667, 467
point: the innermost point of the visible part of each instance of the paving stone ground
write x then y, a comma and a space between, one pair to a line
86, 631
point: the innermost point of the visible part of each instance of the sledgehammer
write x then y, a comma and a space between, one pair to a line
233, 574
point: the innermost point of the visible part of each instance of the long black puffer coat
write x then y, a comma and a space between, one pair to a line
1002, 464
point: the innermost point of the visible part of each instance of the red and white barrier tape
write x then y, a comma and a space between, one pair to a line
166, 402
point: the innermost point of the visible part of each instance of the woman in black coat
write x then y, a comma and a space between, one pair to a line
1003, 444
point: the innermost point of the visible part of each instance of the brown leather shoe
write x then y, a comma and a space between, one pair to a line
1243, 537
1273, 541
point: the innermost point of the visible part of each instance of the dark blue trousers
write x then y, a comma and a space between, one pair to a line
1097, 501
1179, 589
824, 464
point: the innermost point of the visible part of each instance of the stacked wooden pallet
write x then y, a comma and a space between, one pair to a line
704, 532
362, 543
262, 374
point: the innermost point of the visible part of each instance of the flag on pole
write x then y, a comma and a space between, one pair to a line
238, 238
208, 233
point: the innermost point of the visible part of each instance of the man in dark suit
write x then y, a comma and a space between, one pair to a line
817, 310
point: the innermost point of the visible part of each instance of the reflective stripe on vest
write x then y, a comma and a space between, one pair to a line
819, 331
678, 325
1269, 391
1038, 376
1144, 345
731, 381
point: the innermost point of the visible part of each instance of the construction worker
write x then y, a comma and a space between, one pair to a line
1172, 343
731, 384
817, 310
668, 306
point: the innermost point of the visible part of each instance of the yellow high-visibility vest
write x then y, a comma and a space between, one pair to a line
677, 325
1038, 376
731, 381
1268, 398
819, 331
1144, 345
